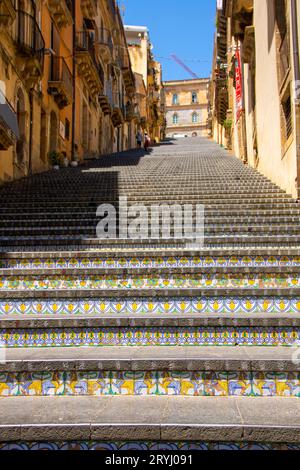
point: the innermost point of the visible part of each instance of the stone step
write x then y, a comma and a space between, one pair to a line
79, 228
247, 321
171, 293
28, 220
177, 420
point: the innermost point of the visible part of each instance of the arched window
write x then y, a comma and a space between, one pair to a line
175, 118
195, 118
175, 98
194, 97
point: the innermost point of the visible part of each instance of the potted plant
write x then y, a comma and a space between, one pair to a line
55, 159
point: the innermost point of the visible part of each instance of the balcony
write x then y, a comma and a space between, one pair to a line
9, 130
242, 15
125, 65
7, 12
105, 44
88, 67
89, 8
118, 112
106, 100
30, 46
61, 11
60, 82
249, 44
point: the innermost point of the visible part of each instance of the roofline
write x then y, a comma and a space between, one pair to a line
192, 80
136, 29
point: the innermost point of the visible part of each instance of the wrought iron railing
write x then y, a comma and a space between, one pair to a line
28, 36
104, 37
85, 41
60, 72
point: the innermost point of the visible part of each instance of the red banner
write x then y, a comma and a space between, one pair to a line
238, 85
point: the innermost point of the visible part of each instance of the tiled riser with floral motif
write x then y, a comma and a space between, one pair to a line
186, 281
150, 446
99, 383
155, 305
204, 336
151, 262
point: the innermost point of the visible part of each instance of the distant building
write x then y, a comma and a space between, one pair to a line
186, 107
148, 75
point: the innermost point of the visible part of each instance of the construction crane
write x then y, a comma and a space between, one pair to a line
182, 64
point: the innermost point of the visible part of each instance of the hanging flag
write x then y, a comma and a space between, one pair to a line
238, 85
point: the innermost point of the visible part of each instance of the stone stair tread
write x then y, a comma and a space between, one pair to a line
148, 293
140, 358
239, 419
261, 319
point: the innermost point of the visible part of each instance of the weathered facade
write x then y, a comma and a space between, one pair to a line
256, 86
186, 107
67, 87
21, 68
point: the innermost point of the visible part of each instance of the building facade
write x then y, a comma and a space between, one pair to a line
68, 91
255, 86
149, 71
186, 107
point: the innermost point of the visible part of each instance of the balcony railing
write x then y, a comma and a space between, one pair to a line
104, 38
85, 41
60, 80
28, 36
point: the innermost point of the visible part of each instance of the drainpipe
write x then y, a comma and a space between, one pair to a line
295, 39
30, 132
73, 80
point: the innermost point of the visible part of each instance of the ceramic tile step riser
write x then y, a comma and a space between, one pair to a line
144, 445
149, 337
201, 260
202, 306
150, 383
148, 281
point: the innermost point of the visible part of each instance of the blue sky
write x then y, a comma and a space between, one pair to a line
185, 28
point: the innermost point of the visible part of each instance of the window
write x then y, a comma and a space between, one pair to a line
194, 97
175, 119
67, 129
175, 98
195, 118
287, 118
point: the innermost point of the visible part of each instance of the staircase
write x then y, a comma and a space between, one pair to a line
150, 343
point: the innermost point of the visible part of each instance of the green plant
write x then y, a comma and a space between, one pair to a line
55, 158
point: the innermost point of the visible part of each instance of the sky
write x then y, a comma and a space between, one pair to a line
185, 28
